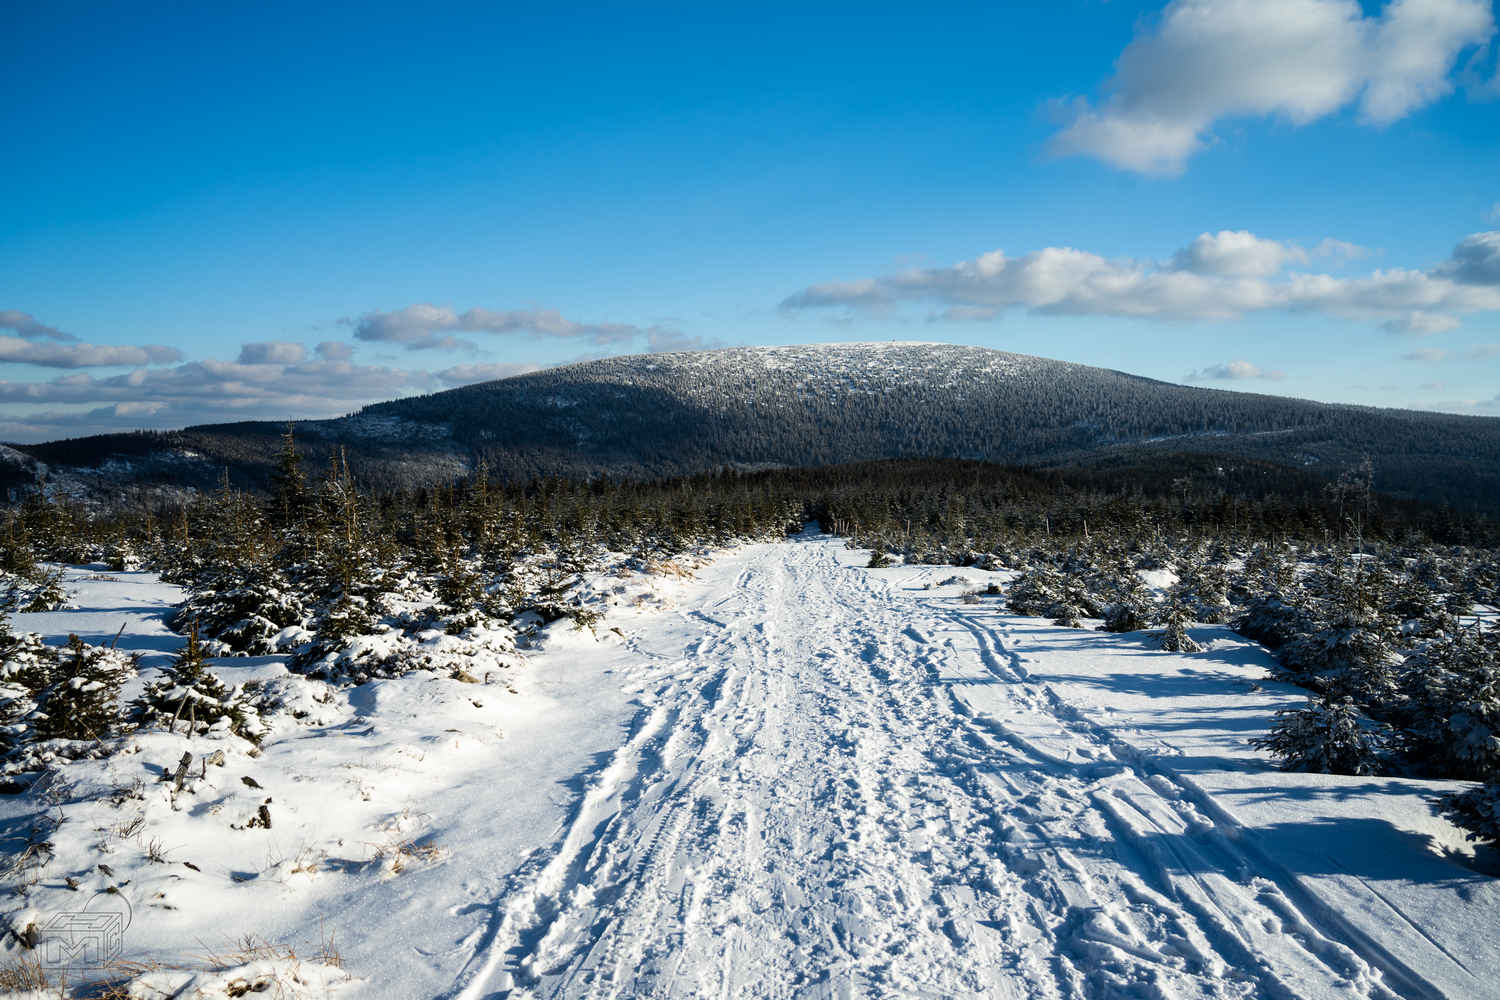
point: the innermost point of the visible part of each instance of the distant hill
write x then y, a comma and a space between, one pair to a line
657, 415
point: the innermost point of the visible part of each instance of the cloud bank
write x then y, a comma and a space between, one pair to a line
1239, 368
1221, 276
27, 328
25, 352
1205, 60
30, 346
270, 379
424, 327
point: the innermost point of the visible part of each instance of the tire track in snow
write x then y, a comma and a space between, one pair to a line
812, 808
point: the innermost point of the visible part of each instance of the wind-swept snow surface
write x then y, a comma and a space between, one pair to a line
796, 778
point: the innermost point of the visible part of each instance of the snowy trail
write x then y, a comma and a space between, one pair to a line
835, 791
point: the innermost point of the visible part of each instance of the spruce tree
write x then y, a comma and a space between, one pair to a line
1037, 594
17, 559
81, 699
1133, 608
189, 695
1477, 811
1174, 638
288, 481
26, 670
1355, 648
348, 617
1202, 588
1451, 715
259, 603
1325, 737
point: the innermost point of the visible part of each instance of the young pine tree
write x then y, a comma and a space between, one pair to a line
1325, 737
346, 618
1355, 649
1476, 810
250, 609
1174, 638
288, 482
1451, 713
1039, 593
189, 695
26, 669
81, 699
1133, 608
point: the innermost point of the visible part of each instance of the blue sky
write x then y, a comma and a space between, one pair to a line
220, 212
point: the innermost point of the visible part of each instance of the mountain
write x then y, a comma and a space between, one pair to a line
656, 415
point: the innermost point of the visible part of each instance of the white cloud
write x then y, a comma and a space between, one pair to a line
269, 380
1221, 277
1426, 354
1237, 255
272, 352
75, 355
1433, 386
1239, 368
27, 328
1204, 60
1423, 324
1481, 351
661, 340
424, 326
1475, 261
468, 374
1242, 254
1491, 214
1480, 407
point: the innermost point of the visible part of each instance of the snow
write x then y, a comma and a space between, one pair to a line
785, 775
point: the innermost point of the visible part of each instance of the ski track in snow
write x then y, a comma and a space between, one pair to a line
833, 792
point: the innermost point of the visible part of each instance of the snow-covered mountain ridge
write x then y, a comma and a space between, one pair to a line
647, 416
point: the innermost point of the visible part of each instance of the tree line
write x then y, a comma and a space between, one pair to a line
1374, 604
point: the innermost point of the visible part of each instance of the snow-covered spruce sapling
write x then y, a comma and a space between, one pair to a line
1277, 617
246, 610
288, 482
1037, 594
1133, 610
47, 594
1327, 736
1069, 613
81, 700
1451, 711
1173, 637
122, 556
1352, 643
189, 696
1203, 589
348, 617
1076, 601
1476, 810
26, 668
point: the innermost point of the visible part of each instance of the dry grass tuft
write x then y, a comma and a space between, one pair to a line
668, 567
250, 950
401, 853
25, 974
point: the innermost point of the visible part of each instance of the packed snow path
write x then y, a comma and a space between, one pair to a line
824, 799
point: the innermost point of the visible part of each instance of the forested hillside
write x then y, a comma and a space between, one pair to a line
650, 416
